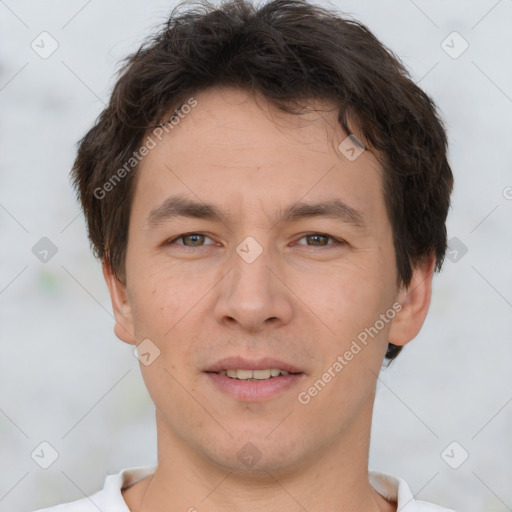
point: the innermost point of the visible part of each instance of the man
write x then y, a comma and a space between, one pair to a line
267, 191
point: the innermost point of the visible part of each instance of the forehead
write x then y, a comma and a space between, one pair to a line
239, 148
230, 120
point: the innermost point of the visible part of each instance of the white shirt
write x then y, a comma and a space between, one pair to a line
110, 499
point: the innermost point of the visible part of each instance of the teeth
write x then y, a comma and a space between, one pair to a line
253, 374
244, 374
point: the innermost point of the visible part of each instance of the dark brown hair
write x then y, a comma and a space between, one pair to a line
287, 50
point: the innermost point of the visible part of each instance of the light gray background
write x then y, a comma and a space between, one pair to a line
67, 380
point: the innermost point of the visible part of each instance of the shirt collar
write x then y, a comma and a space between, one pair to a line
391, 488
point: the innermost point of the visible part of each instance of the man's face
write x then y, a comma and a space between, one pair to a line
254, 285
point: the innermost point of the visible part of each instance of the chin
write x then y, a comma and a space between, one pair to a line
257, 452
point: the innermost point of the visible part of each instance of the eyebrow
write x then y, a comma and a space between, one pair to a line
183, 206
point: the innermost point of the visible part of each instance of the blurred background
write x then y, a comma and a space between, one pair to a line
443, 416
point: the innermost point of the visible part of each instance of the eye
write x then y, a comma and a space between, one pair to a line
318, 240
198, 240
195, 239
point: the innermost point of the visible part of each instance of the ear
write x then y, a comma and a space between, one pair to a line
123, 327
415, 301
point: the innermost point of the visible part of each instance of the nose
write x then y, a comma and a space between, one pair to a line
253, 295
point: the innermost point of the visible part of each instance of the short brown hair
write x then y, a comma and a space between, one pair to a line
287, 50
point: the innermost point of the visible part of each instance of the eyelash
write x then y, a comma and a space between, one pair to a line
337, 241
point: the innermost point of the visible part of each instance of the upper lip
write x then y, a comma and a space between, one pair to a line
241, 363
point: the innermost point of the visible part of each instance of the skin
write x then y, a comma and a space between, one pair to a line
303, 300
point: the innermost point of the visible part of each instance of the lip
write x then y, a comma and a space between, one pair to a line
241, 363
255, 390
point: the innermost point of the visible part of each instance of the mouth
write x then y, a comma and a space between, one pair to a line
259, 369
254, 375
253, 381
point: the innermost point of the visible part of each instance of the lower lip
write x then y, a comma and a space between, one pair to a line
255, 390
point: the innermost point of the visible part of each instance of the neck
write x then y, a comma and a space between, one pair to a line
334, 478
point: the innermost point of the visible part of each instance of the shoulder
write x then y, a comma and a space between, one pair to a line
423, 506
396, 489
83, 505
108, 499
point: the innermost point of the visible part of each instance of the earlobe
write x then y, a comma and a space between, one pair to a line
415, 302
123, 327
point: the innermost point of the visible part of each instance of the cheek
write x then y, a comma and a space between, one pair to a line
351, 303
168, 309
156, 305
352, 295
